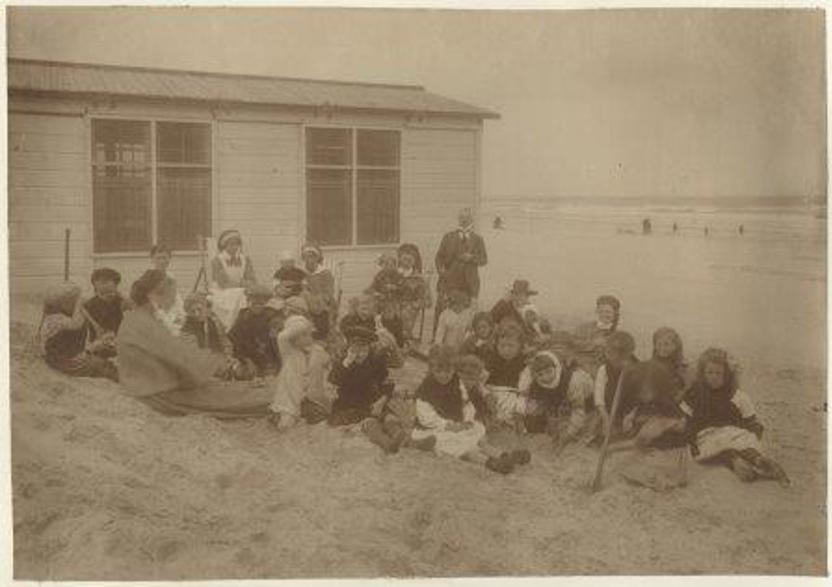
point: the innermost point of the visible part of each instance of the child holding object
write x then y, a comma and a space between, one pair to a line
360, 378
619, 349
300, 392
724, 422
105, 310
63, 336
363, 313
445, 410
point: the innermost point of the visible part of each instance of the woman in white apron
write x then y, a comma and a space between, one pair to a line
231, 272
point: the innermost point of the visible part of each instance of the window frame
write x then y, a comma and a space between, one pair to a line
353, 168
154, 164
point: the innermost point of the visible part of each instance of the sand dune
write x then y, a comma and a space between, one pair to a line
106, 489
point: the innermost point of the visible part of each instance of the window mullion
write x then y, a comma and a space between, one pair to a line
154, 229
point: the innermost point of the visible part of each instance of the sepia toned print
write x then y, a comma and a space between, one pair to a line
339, 293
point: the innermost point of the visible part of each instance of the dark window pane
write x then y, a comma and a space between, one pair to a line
328, 146
121, 141
378, 148
121, 209
378, 206
183, 206
178, 142
328, 206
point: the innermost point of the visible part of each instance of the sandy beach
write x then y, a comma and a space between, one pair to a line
106, 489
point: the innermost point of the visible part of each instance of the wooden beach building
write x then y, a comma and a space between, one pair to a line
126, 157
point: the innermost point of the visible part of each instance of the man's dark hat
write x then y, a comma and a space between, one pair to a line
522, 286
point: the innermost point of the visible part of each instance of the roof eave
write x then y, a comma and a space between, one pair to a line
479, 114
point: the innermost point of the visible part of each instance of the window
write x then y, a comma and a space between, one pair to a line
130, 210
352, 186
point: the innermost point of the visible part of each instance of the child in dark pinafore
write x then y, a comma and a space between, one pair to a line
446, 410
724, 422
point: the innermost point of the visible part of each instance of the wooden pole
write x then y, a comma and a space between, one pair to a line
66, 254
616, 401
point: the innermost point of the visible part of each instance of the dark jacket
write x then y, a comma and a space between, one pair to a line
454, 273
360, 384
107, 313
253, 337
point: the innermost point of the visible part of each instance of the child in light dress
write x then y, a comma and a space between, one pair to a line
301, 392
455, 320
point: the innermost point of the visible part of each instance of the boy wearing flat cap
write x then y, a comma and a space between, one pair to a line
360, 378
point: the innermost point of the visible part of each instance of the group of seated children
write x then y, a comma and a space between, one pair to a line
485, 369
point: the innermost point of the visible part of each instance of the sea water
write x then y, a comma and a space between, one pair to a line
761, 294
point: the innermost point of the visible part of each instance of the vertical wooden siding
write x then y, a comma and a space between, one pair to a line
259, 188
49, 187
439, 177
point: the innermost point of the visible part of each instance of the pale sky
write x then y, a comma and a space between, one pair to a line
593, 103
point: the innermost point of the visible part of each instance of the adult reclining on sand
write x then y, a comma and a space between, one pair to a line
168, 374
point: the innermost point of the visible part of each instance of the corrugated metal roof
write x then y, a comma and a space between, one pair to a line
78, 78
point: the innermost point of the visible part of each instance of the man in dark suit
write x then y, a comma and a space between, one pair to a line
460, 255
